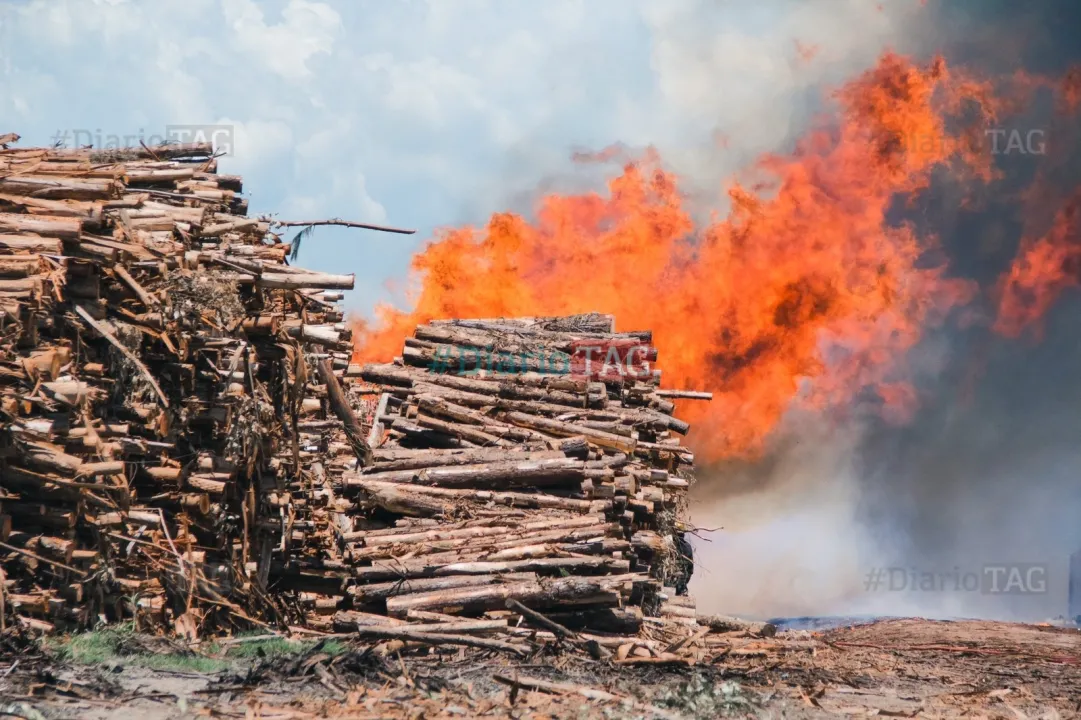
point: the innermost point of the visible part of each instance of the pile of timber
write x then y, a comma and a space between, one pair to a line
534, 461
185, 443
162, 368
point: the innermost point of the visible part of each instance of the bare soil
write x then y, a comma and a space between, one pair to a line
893, 668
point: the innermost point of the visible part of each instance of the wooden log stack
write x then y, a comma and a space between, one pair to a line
185, 443
159, 376
532, 460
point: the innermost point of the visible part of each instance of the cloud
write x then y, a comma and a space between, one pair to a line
306, 29
429, 113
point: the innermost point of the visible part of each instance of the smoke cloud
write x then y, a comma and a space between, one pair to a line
988, 472
730, 81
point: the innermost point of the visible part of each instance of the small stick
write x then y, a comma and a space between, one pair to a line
556, 688
540, 619
685, 394
165, 529
3, 606
404, 633
687, 640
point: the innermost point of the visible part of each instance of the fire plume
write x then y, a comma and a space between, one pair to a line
1044, 268
807, 290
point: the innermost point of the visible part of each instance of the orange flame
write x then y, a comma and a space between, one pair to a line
1044, 267
805, 292
1047, 265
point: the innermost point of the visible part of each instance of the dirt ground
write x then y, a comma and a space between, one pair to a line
893, 668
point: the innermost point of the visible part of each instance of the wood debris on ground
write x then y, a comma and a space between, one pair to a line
890, 668
186, 445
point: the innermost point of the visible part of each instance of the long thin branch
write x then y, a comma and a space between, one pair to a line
104, 332
35, 556
557, 688
342, 223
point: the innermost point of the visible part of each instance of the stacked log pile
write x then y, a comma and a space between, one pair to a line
531, 460
185, 443
159, 370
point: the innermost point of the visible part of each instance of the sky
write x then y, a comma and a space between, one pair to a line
431, 113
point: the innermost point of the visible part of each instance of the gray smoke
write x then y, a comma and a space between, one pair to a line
986, 479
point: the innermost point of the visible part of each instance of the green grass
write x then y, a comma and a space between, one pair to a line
91, 648
120, 644
179, 663
280, 648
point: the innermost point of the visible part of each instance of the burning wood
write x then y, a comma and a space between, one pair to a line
184, 442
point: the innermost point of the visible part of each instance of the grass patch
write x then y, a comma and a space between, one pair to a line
272, 648
120, 644
179, 663
92, 648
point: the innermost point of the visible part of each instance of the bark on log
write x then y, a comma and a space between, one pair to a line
725, 623
378, 592
531, 594
556, 471
437, 497
305, 281
60, 188
340, 405
556, 427
20, 243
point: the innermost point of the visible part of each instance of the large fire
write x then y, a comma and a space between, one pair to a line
809, 290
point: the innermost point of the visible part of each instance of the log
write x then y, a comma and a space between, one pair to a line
19, 243
556, 427
685, 394
305, 281
377, 592
555, 471
70, 392
621, 620
438, 497
725, 623
45, 225
343, 223
377, 537
99, 469
50, 459
138, 289
458, 626
340, 405
532, 594
324, 335
382, 571
458, 430
59, 188
219, 229
20, 266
